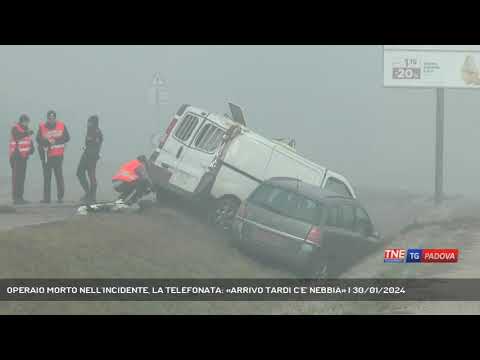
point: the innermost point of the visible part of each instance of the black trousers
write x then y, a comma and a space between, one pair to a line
55, 165
88, 165
19, 172
138, 188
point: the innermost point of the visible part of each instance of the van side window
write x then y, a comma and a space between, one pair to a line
209, 138
337, 186
186, 127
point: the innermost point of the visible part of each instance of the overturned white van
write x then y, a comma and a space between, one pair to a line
213, 157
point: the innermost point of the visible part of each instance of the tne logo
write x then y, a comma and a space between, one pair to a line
421, 256
394, 255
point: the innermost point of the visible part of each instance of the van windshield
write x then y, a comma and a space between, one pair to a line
288, 203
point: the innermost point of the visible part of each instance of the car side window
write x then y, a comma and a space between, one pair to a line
288, 203
186, 127
348, 217
333, 216
261, 195
337, 186
308, 210
283, 201
363, 224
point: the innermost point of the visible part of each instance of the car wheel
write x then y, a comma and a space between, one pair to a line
318, 268
223, 212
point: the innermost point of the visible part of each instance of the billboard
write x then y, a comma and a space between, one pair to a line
433, 66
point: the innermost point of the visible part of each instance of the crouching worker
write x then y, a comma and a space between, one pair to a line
132, 181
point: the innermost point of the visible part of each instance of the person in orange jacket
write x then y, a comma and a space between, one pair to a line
20, 148
132, 180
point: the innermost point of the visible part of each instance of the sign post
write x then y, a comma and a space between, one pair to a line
158, 97
437, 67
439, 146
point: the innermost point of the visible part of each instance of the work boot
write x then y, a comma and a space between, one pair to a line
20, 202
60, 201
85, 199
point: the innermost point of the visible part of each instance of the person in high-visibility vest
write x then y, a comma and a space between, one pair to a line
132, 178
51, 137
20, 148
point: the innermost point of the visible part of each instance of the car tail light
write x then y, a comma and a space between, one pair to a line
167, 132
314, 236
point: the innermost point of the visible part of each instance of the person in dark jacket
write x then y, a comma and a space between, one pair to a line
51, 138
89, 159
20, 148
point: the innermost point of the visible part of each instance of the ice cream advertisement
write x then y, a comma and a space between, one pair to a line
432, 66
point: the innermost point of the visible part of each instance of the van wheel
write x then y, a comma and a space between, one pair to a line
163, 197
223, 212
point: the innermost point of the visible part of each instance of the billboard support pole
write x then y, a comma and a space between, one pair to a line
440, 116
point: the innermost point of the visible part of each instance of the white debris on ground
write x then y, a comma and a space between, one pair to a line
114, 206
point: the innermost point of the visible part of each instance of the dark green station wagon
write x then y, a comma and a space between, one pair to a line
314, 231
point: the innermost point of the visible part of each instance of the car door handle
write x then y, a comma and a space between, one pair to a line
179, 152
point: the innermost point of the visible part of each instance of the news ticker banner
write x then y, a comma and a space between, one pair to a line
444, 66
239, 290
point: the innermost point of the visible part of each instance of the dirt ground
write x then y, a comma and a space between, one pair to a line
171, 242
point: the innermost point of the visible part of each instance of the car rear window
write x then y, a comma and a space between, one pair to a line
288, 203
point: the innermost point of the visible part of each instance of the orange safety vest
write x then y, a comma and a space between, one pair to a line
53, 134
24, 144
127, 172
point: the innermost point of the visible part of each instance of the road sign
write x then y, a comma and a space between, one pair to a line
158, 92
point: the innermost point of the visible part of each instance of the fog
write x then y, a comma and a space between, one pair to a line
329, 98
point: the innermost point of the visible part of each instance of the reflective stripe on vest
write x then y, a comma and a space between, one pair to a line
127, 172
53, 134
24, 145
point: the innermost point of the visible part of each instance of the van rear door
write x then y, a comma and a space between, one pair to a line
176, 145
195, 159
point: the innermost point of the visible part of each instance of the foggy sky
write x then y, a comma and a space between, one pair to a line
329, 98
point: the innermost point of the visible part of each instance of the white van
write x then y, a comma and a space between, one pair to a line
210, 156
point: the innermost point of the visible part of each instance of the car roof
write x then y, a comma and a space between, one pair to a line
311, 191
